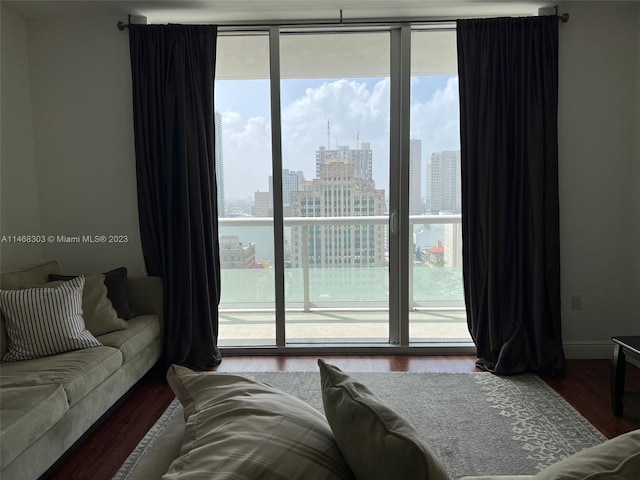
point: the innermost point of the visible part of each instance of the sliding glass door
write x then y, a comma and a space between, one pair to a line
243, 168
336, 147
335, 154
436, 303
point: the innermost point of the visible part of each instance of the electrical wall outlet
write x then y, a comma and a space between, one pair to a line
576, 301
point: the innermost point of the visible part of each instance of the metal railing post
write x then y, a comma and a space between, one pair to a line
305, 267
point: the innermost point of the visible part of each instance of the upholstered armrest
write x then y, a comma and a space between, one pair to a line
145, 295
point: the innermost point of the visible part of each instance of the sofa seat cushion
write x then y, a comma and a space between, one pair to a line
27, 413
142, 331
77, 372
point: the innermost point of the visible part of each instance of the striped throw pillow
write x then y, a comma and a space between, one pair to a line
243, 430
45, 321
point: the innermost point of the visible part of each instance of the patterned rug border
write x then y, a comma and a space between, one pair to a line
523, 426
147, 441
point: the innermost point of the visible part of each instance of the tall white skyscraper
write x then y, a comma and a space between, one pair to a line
443, 182
219, 152
415, 178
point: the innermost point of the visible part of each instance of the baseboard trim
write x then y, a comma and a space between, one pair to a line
588, 350
593, 350
572, 350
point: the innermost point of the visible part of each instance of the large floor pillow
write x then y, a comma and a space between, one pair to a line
240, 429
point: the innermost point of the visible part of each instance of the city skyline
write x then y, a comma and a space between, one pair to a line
307, 105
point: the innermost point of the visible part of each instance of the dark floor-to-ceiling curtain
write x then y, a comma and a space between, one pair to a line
173, 69
508, 74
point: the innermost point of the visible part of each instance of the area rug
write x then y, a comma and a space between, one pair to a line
477, 423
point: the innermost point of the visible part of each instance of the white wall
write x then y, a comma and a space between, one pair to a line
83, 123
19, 206
598, 110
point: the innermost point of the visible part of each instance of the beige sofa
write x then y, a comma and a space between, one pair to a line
47, 404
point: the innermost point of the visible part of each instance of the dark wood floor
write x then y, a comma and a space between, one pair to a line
585, 386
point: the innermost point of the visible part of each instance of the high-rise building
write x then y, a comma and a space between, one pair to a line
261, 205
338, 192
234, 254
443, 182
415, 178
219, 153
291, 181
361, 158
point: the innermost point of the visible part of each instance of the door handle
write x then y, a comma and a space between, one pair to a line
393, 223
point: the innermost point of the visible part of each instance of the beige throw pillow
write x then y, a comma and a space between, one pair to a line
376, 442
99, 315
240, 429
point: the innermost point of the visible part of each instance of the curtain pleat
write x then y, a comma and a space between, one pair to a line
508, 77
173, 68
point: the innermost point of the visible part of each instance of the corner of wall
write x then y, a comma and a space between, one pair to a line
599, 170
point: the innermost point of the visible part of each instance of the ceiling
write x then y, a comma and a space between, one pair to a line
274, 11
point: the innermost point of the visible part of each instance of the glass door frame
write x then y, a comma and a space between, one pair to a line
399, 228
399, 223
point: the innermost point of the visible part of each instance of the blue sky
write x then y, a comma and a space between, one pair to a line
351, 105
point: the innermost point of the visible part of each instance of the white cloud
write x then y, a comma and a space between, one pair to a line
437, 121
350, 106
247, 154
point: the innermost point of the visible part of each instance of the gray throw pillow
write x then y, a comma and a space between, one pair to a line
376, 442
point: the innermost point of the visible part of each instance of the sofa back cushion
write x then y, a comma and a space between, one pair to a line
24, 277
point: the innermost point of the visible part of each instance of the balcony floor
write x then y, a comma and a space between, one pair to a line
258, 328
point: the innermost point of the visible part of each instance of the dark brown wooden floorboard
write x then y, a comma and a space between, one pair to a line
585, 386
103, 452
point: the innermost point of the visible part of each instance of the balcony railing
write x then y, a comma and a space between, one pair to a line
433, 287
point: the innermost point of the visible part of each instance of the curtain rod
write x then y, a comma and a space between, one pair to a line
564, 18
